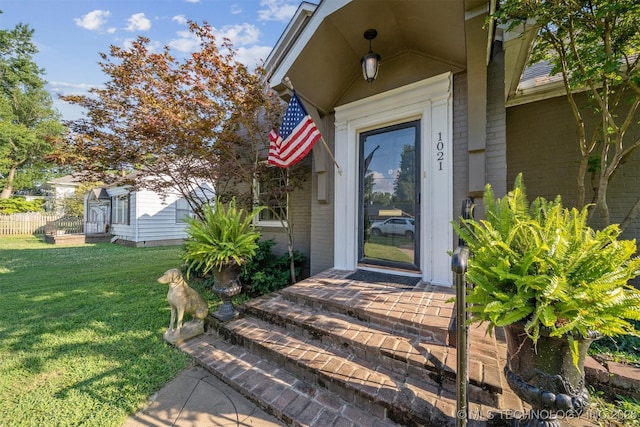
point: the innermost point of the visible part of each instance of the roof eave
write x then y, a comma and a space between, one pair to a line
289, 37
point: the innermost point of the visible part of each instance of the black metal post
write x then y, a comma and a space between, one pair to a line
459, 267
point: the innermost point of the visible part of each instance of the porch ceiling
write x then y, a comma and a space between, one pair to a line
328, 64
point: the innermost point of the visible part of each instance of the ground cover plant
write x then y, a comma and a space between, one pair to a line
81, 331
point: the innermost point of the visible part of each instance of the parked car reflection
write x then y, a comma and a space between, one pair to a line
394, 226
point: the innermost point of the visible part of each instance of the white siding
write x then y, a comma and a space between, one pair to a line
156, 217
151, 218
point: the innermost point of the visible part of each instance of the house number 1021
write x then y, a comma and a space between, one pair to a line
439, 151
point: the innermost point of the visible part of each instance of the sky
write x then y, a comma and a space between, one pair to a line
70, 34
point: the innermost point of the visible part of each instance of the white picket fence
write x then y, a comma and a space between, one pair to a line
25, 223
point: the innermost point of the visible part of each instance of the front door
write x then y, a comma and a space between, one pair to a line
389, 197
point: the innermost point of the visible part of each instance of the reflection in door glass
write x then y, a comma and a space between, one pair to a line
389, 228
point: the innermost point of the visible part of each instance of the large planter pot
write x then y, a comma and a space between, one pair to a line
226, 284
545, 375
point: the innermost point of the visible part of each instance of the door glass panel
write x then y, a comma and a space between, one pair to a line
388, 196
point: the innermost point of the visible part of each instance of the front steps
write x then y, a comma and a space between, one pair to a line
331, 351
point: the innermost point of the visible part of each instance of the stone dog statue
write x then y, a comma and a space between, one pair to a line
183, 299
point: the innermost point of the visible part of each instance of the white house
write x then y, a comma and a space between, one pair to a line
137, 217
61, 188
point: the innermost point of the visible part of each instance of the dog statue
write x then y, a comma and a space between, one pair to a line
183, 299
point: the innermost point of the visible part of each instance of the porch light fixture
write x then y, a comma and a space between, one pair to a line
371, 61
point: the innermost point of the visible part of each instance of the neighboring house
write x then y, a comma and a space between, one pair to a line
136, 217
62, 188
452, 109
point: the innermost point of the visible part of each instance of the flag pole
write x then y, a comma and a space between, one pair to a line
287, 82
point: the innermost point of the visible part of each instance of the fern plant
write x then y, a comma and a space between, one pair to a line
542, 264
223, 235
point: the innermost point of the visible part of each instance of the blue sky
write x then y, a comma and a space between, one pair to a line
71, 33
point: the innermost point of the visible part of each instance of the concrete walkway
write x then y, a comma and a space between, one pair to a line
196, 398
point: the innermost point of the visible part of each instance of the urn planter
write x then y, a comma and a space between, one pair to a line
546, 375
220, 242
226, 285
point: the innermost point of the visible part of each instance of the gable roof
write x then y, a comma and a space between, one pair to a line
323, 44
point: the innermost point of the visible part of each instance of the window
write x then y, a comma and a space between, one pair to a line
272, 192
183, 210
120, 209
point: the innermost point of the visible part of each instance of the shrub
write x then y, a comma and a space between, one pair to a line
224, 235
267, 272
20, 205
541, 263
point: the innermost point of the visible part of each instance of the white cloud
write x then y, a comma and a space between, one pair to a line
192, 1
138, 22
152, 46
93, 20
186, 42
277, 10
236, 9
180, 19
240, 35
69, 88
382, 183
252, 56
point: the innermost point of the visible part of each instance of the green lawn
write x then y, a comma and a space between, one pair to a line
81, 331
389, 248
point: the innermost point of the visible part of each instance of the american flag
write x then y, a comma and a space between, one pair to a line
295, 138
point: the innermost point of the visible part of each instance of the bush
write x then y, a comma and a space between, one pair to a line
267, 272
20, 205
224, 235
624, 348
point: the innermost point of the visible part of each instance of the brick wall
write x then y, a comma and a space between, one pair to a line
542, 144
460, 142
496, 153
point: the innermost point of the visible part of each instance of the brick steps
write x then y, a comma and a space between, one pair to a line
291, 399
380, 305
384, 393
402, 354
329, 351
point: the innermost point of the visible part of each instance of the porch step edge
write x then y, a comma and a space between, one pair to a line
411, 355
386, 394
290, 399
402, 319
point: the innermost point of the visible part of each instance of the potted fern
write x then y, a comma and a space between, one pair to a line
221, 242
555, 284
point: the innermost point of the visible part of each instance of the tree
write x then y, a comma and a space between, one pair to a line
594, 45
73, 204
177, 123
182, 123
404, 185
29, 125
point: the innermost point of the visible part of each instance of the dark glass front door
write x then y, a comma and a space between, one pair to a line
389, 196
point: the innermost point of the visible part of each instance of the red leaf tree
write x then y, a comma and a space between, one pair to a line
179, 124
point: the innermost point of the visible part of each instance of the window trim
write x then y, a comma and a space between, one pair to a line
117, 208
256, 202
188, 210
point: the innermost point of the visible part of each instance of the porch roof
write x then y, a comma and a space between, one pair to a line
321, 48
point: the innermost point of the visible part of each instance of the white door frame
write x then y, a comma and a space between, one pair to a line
431, 102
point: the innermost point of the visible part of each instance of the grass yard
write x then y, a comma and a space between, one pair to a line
81, 331
389, 248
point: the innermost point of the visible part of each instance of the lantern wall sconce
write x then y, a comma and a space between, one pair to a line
371, 61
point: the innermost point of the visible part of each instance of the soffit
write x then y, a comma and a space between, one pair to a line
326, 64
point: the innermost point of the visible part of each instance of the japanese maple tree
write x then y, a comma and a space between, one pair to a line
181, 124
